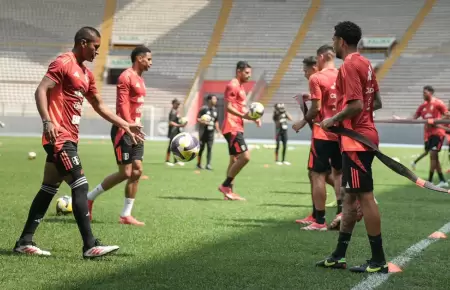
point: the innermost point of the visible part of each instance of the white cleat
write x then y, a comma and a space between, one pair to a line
99, 250
279, 163
180, 163
30, 249
442, 184
286, 163
169, 163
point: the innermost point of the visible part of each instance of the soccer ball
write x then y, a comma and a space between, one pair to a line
184, 147
256, 110
183, 120
206, 118
64, 205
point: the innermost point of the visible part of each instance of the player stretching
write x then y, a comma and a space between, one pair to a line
432, 108
280, 117
358, 97
207, 130
233, 127
59, 99
130, 98
325, 153
310, 68
174, 129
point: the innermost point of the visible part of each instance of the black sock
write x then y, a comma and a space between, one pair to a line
209, 155
441, 177
314, 212
341, 248
339, 206
80, 188
320, 216
376, 245
430, 176
284, 150
228, 181
37, 211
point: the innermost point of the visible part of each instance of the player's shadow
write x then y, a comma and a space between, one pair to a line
289, 192
189, 198
285, 205
65, 220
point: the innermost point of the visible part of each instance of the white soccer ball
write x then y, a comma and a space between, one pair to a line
206, 118
183, 120
64, 205
31, 155
256, 110
184, 147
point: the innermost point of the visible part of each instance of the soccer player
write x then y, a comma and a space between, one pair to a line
175, 128
59, 100
130, 99
280, 118
432, 108
233, 128
207, 130
325, 152
358, 97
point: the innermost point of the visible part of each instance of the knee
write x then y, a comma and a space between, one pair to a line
126, 172
79, 184
245, 157
136, 173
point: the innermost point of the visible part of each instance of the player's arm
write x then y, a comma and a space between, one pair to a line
216, 124
315, 97
40, 95
173, 120
377, 104
123, 98
200, 114
289, 117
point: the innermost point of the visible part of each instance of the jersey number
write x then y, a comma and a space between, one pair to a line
76, 119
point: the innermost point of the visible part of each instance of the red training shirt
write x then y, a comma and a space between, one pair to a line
73, 81
432, 109
234, 94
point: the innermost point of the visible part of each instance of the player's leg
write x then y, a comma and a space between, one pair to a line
69, 165
437, 164
277, 147
336, 172
50, 184
312, 217
431, 145
131, 189
284, 139
209, 145
200, 153
168, 153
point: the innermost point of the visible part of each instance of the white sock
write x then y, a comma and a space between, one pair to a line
95, 192
128, 206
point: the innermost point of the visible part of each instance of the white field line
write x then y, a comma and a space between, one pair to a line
375, 280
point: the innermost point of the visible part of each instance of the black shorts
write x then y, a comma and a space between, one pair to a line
65, 159
434, 143
357, 171
281, 136
124, 149
236, 143
323, 155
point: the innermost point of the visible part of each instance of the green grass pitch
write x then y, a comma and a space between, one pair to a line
193, 239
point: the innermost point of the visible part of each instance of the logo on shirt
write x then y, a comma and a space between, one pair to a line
140, 99
76, 74
138, 85
428, 115
77, 106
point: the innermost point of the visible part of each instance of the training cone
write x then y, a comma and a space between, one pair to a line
144, 177
437, 235
394, 268
266, 165
197, 171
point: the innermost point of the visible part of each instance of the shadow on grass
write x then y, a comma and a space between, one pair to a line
289, 192
275, 254
190, 198
69, 219
285, 205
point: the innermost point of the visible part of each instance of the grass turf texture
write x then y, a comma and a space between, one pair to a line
195, 240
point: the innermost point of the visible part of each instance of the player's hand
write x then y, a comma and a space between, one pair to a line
247, 117
297, 126
327, 123
135, 132
306, 97
50, 132
258, 122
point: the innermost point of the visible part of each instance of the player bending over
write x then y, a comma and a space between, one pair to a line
207, 130
233, 128
59, 100
175, 127
358, 97
280, 118
130, 99
325, 153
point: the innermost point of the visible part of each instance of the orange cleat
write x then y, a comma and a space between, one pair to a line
129, 220
315, 227
306, 221
228, 194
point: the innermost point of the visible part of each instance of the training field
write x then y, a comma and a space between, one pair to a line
195, 240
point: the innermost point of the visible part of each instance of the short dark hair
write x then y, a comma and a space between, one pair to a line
210, 96
349, 32
87, 34
138, 50
325, 48
310, 61
175, 101
429, 88
241, 65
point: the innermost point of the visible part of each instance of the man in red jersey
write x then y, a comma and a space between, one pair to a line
130, 99
59, 99
233, 127
325, 153
432, 108
358, 97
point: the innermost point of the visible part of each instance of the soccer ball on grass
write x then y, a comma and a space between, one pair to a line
184, 147
64, 205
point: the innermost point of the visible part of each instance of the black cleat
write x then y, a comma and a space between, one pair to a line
199, 166
371, 267
208, 167
333, 263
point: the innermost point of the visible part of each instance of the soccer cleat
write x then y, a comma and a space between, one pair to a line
90, 204
29, 248
208, 167
199, 166
413, 166
98, 250
442, 184
371, 267
306, 221
332, 263
179, 163
336, 223
169, 163
332, 204
130, 220
286, 163
315, 227
279, 163
228, 193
